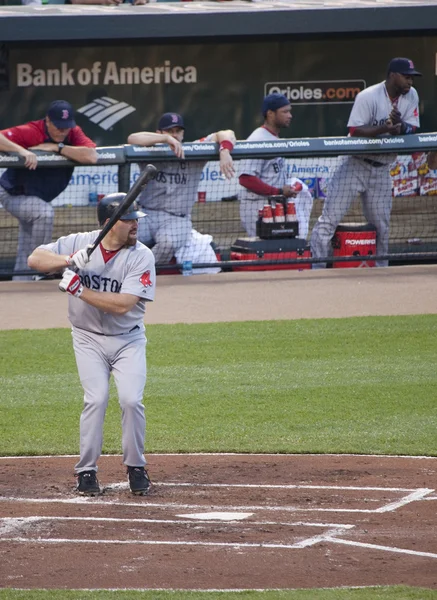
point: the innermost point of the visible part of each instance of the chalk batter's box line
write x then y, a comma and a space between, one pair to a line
413, 496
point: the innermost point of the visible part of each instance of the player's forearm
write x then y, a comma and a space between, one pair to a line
226, 135
109, 302
147, 138
44, 261
370, 131
257, 186
8, 146
80, 154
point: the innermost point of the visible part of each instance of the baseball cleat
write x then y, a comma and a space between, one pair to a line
139, 481
87, 483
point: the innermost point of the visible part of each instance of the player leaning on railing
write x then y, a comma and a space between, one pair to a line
169, 199
27, 193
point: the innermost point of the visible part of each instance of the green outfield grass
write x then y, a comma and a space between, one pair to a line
361, 385
375, 593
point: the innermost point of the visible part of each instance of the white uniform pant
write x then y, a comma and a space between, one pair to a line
249, 210
35, 218
164, 233
97, 356
352, 177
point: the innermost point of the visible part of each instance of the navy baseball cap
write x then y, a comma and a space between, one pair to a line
273, 102
169, 120
61, 114
405, 66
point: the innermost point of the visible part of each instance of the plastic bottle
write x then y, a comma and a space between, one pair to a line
187, 267
92, 195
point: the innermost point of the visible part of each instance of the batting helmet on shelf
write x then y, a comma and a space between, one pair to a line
109, 204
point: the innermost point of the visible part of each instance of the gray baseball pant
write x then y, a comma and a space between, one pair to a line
35, 219
352, 177
164, 233
97, 356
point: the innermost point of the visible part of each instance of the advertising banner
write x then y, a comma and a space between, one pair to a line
120, 89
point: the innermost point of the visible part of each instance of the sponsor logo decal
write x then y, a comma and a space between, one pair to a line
342, 91
106, 112
370, 241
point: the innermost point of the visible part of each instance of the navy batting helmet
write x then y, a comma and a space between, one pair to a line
109, 204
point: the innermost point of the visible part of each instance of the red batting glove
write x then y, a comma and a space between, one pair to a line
70, 283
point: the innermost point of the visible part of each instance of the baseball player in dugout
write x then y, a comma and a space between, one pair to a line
107, 295
386, 109
261, 178
170, 197
27, 193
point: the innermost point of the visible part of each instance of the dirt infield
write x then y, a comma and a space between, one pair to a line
228, 521
222, 522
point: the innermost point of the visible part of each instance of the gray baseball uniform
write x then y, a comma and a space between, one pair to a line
368, 175
273, 172
105, 343
168, 202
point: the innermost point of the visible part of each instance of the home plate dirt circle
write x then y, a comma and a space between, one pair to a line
222, 521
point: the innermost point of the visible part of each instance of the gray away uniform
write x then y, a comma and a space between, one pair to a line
168, 201
273, 172
105, 343
368, 175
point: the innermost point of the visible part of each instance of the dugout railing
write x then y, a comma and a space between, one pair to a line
216, 208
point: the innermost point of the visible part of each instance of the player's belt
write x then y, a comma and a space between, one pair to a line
374, 163
176, 214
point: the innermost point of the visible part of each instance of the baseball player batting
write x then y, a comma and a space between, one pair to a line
107, 301
385, 109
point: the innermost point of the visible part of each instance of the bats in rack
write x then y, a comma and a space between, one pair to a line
145, 176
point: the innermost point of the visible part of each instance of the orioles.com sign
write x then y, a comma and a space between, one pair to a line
317, 92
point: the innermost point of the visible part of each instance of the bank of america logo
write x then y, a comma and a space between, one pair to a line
106, 112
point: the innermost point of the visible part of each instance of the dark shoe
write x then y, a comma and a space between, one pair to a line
139, 481
87, 483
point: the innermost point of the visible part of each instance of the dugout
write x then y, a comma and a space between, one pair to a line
213, 62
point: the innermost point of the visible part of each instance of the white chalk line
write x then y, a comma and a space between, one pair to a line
384, 548
329, 535
285, 486
17, 522
415, 495
242, 454
177, 506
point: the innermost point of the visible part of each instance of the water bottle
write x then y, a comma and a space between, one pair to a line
92, 195
187, 267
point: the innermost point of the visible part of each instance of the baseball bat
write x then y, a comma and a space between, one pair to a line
146, 175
